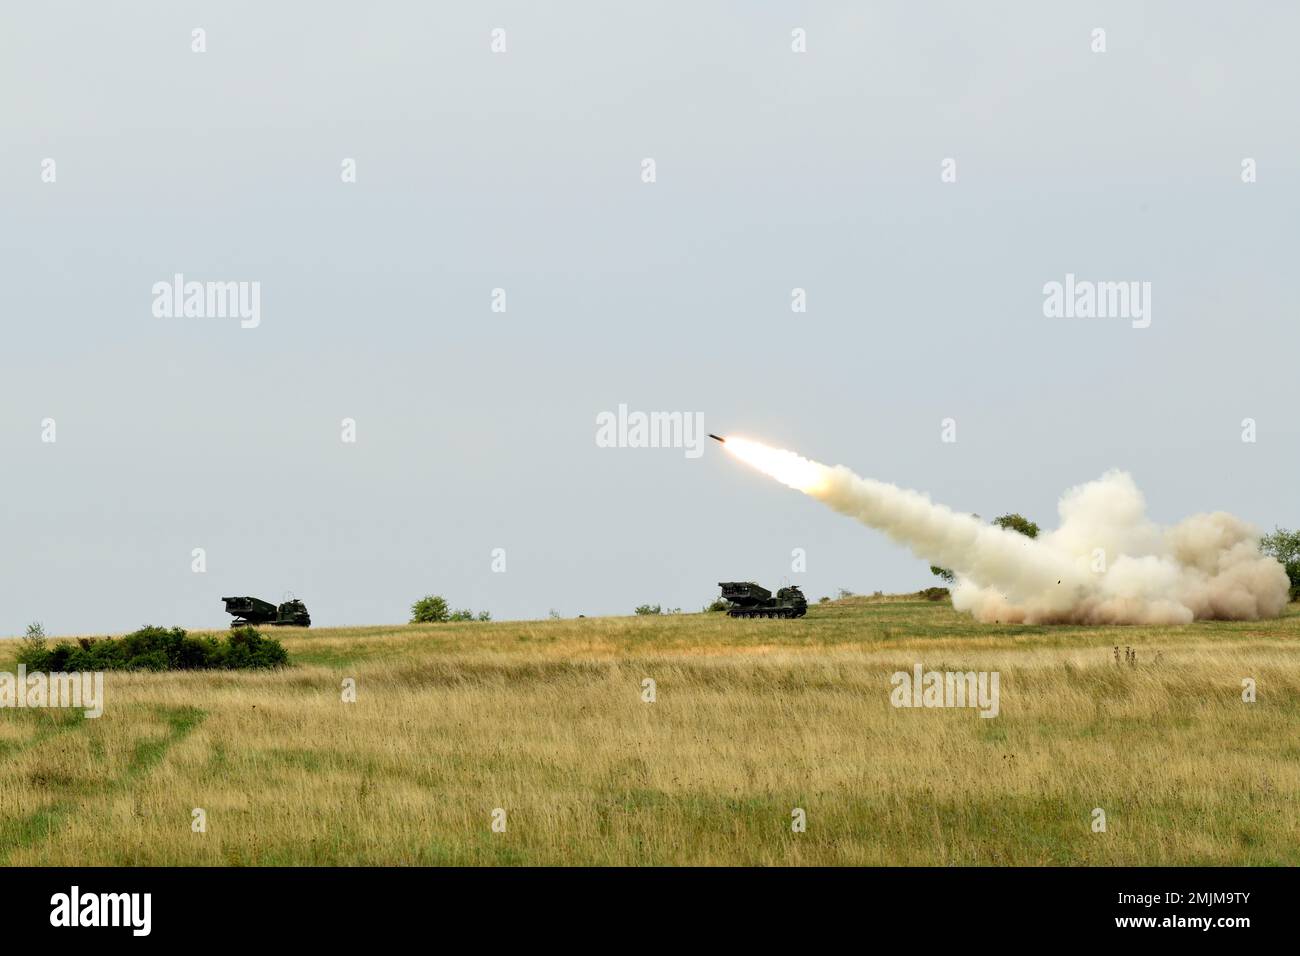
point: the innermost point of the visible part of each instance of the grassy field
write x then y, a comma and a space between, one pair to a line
752, 719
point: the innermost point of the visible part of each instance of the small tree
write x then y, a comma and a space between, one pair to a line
430, 609
1285, 546
717, 605
1017, 522
1011, 522
645, 609
34, 639
465, 614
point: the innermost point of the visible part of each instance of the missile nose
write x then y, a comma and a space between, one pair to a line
716, 438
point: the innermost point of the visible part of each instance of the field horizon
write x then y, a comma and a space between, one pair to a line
545, 727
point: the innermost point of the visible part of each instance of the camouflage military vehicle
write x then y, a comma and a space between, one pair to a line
748, 599
251, 610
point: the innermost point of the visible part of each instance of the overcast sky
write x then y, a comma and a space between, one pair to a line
775, 170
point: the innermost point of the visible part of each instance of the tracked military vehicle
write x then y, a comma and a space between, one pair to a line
748, 599
251, 610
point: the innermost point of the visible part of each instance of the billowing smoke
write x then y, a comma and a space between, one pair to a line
1106, 563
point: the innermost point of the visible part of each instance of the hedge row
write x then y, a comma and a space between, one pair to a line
156, 649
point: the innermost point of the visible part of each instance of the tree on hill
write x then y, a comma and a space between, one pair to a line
943, 573
1285, 546
430, 609
466, 614
1011, 522
1017, 522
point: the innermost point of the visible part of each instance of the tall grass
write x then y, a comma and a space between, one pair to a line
751, 720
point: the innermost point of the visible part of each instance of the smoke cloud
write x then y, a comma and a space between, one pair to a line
1106, 563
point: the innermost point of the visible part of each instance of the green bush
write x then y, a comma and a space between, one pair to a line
433, 609
1017, 522
33, 640
465, 614
430, 609
1285, 546
943, 573
645, 609
248, 648
158, 649
1011, 522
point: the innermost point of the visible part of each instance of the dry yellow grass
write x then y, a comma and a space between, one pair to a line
752, 719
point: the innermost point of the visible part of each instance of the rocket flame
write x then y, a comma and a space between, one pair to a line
1107, 563
790, 469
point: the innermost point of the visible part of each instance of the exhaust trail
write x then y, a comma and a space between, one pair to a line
1106, 563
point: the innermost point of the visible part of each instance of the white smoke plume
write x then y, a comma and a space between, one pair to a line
1106, 563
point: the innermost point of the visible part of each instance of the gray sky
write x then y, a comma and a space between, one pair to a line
775, 170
